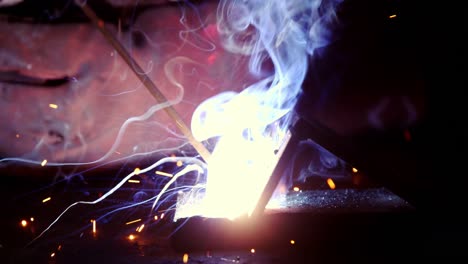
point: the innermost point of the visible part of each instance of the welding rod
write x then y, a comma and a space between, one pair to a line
152, 88
284, 157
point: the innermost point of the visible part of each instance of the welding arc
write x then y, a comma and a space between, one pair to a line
152, 88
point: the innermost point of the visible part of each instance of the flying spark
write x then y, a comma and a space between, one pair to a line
162, 173
331, 184
94, 226
134, 221
134, 181
140, 228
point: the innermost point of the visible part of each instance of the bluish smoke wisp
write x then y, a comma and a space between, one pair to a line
278, 36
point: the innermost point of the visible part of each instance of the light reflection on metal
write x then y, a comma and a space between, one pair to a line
31, 219
331, 184
18, 135
252, 250
52, 255
162, 173
134, 221
46, 200
136, 171
43, 163
162, 215
179, 163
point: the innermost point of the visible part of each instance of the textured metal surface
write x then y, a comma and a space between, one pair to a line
342, 200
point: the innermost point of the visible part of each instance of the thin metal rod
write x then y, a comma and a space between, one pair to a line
284, 156
152, 88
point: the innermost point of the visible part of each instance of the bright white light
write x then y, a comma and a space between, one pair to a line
237, 173
251, 125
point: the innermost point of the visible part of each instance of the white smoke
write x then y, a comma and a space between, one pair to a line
278, 36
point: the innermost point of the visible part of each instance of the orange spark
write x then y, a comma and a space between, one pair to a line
136, 171
131, 237
43, 163
54, 106
24, 223
52, 255
46, 199
134, 181
355, 170
292, 242
162, 173
94, 226
331, 184
185, 258
134, 221
179, 163
140, 228
296, 189
392, 16
32, 219
252, 250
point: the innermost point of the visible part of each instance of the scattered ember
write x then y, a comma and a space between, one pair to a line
331, 184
